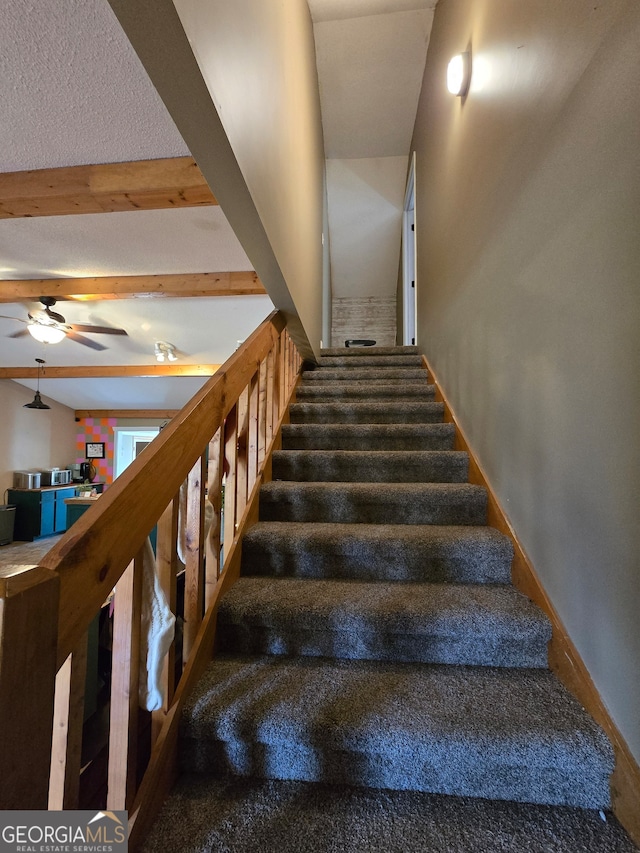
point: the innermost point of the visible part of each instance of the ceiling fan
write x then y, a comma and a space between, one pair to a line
50, 327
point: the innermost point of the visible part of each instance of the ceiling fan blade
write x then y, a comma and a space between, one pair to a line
97, 330
87, 342
6, 317
19, 334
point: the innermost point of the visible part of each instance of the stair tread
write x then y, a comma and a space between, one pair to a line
234, 815
367, 412
398, 552
359, 352
398, 503
355, 436
326, 374
371, 465
457, 722
491, 625
417, 607
370, 360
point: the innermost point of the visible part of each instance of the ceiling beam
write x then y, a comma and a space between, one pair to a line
103, 372
107, 188
136, 414
134, 286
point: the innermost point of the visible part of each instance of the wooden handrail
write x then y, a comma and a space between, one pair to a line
208, 462
92, 556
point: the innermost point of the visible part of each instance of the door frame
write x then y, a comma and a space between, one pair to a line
409, 265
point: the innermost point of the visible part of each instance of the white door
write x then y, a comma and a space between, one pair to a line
409, 259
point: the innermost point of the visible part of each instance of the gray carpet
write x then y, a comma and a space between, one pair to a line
378, 683
268, 816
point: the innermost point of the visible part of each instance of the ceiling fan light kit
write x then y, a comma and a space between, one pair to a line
45, 333
49, 327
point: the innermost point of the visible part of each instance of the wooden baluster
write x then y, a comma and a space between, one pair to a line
68, 718
194, 548
125, 676
214, 496
262, 412
277, 374
242, 454
271, 362
28, 637
230, 459
252, 456
166, 567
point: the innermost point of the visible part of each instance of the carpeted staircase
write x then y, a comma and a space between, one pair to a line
375, 641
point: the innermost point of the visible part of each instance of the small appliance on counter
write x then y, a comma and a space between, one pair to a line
55, 477
26, 479
76, 476
87, 472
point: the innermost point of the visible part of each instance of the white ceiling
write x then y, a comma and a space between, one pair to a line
370, 69
74, 92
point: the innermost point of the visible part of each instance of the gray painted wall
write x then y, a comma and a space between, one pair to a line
528, 207
240, 82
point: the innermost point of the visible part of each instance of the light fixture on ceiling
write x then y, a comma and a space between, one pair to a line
459, 74
164, 351
45, 333
37, 403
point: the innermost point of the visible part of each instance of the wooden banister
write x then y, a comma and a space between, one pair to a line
91, 558
197, 486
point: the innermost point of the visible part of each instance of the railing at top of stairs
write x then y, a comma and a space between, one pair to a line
224, 435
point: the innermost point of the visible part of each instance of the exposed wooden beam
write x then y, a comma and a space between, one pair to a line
103, 372
137, 414
134, 286
106, 188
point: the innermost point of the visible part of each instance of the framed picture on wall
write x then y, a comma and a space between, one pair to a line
95, 450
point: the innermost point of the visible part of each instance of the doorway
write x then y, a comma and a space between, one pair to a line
409, 276
129, 442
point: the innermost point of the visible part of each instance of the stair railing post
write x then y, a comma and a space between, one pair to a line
28, 651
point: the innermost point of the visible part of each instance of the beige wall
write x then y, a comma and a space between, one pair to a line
30, 438
240, 83
528, 206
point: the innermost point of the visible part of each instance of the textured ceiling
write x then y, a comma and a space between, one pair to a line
144, 242
73, 91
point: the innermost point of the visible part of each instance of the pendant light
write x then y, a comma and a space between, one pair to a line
37, 403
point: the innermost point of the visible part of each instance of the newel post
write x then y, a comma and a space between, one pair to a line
28, 645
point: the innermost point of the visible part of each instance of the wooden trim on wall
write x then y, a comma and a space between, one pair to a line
109, 371
105, 188
237, 283
564, 659
124, 414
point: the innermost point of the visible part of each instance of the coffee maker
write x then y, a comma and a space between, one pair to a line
87, 472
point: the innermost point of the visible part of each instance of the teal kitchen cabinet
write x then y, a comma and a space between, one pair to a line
40, 512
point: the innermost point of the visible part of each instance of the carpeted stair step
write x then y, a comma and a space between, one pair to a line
415, 437
498, 733
320, 392
371, 466
367, 413
473, 625
369, 374
370, 503
367, 352
348, 361
209, 815
383, 552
